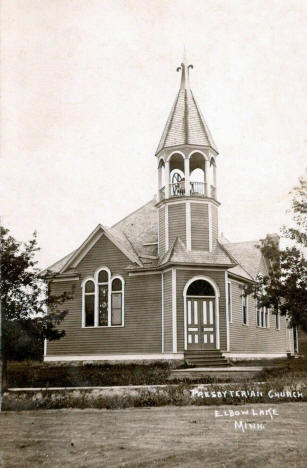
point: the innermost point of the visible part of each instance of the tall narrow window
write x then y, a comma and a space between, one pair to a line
89, 304
117, 302
277, 322
267, 324
262, 317
103, 298
244, 308
229, 297
258, 314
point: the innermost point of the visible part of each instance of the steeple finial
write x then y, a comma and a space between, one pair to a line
185, 84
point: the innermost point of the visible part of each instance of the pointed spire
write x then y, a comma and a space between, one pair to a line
185, 83
185, 124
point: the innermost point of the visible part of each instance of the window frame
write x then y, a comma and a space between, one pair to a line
94, 279
244, 295
277, 321
122, 291
84, 294
258, 315
229, 301
263, 313
97, 284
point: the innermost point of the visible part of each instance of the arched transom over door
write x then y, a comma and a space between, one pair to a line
201, 316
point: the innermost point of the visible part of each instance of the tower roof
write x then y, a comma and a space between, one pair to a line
186, 124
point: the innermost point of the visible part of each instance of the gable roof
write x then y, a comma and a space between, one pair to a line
57, 266
186, 124
248, 256
117, 237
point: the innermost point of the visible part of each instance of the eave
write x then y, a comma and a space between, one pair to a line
181, 264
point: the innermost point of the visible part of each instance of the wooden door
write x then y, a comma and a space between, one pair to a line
201, 326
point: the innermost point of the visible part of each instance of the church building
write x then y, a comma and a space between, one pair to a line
162, 284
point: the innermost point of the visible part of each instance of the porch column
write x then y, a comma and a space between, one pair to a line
206, 177
159, 182
167, 182
174, 310
187, 177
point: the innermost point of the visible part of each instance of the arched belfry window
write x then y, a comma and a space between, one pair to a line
103, 300
198, 176
200, 288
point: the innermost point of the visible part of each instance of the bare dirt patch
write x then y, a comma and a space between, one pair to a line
153, 437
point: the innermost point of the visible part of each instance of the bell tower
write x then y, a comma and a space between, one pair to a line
187, 187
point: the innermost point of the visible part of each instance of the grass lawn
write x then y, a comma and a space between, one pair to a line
156, 437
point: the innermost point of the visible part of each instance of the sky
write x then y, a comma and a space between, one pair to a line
87, 86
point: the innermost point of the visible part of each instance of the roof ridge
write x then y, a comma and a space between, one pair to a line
227, 253
132, 213
243, 242
238, 263
168, 123
204, 125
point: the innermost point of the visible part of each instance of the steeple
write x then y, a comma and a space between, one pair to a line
186, 124
184, 67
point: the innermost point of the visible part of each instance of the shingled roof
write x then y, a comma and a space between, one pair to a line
137, 236
178, 253
249, 257
186, 124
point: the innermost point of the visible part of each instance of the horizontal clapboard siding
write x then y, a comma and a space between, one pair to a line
176, 222
182, 278
249, 339
161, 231
199, 226
214, 220
143, 311
168, 333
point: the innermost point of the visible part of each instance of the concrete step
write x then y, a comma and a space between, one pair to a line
203, 356
210, 351
208, 364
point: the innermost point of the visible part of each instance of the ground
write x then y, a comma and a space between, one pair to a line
153, 437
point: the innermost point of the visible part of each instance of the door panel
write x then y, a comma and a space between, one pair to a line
201, 326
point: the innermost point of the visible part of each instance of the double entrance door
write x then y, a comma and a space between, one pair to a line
201, 323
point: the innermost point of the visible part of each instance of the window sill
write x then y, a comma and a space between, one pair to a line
245, 324
104, 326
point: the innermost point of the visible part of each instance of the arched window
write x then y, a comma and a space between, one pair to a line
117, 301
89, 303
200, 288
103, 297
103, 300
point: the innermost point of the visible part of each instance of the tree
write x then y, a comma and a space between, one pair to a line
25, 299
284, 288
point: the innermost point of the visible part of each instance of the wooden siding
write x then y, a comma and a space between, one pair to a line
161, 231
215, 227
199, 226
253, 339
168, 321
182, 278
143, 310
176, 222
